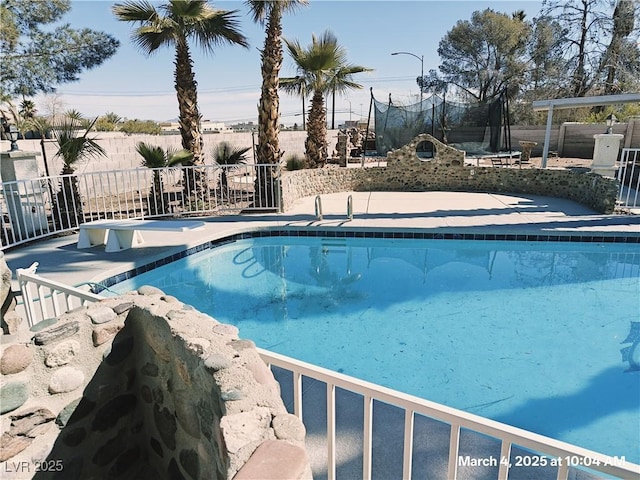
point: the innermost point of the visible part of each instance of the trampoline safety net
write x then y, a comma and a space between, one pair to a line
476, 128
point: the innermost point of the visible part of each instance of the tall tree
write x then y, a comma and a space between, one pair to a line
318, 66
174, 24
621, 61
599, 43
483, 56
37, 55
268, 148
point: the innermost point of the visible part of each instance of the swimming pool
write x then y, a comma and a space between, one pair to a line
539, 335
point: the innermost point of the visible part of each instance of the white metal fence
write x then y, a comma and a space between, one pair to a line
629, 179
43, 298
31, 209
518, 448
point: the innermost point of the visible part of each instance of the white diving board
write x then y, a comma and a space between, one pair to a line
118, 235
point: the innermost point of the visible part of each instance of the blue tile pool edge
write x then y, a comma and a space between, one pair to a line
378, 233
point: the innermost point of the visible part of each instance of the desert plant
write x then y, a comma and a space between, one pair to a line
295, 162
229, 158
155, 157
73, 147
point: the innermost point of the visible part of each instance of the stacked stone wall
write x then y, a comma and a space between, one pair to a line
405, 171
142, 386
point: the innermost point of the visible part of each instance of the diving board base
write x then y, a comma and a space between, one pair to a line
117, 235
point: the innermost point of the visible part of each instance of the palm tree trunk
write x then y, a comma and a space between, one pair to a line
189, 118
268, 149
316, 143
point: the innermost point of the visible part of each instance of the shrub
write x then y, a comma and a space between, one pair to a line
294, 162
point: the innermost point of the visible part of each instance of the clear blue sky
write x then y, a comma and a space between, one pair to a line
135, 86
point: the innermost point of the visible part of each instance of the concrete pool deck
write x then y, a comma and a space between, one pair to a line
446, 212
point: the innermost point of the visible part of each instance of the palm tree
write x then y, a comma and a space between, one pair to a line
71, 149
341, 82
268, 148
229, 158
155, 157
323, 68
175, 23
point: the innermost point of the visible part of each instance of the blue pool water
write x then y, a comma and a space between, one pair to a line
539, 335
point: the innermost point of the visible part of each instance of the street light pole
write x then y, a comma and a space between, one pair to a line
421, 58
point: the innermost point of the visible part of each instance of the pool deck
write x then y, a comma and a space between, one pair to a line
441, 212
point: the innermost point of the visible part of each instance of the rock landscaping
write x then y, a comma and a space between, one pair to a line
142, 386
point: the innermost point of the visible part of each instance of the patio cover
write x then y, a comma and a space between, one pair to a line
559, 103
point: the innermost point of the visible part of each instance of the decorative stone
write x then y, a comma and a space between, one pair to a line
240, 345
275, 459
156, 447
111, 449
120, 350
158, 343
32, 422
175, 315
145, 393
66, 379
124, 462
122, 307
41, 325
170, 299
15, 359
261, 372
10, 446
288, 427
186, 413
12, 396
166, 425
62, 353
150, 369
104, 333
232, 394
190, 464
243, 428
198, 345
226, 329
217, 362
73, 437
75, 411
109, 414
51, 335
149, 290
11, 322
174, 471
183, 371
101, 315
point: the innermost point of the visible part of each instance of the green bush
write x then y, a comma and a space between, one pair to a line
141, 126
294, 162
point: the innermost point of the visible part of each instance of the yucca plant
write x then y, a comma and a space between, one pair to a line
230, 158
73, 146
156, 157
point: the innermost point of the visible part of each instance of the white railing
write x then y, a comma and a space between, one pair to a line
43, 298
32, 209
629, 179
543, 450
